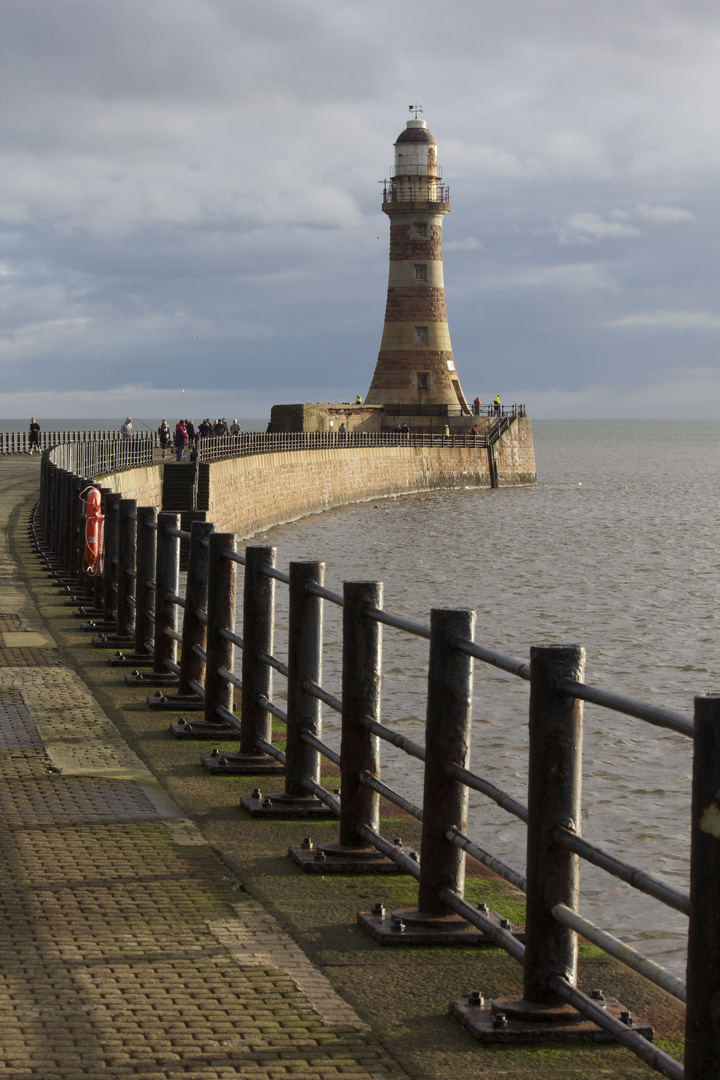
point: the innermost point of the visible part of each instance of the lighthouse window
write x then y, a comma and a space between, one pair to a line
422, 380
421, 228
420, 272
421, 335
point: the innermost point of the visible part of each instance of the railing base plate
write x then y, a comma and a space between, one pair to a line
525, 1022
233, 763
336, 859
410, 927
286, 806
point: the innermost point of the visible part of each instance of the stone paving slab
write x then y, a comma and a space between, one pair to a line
129, 947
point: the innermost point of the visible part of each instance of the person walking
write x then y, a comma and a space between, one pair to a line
126, 429
476, 406
180, 439
164, 436
235, 428
34, 436
497, 407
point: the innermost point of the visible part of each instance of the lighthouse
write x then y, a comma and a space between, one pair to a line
415, 365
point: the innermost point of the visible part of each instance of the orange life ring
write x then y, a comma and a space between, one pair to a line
93, 524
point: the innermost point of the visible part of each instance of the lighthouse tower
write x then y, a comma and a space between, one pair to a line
416, 365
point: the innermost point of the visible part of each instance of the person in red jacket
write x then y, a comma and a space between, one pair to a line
181, 436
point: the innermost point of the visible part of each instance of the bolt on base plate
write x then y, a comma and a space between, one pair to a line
109, 641
152, 678
99, 626
131, 659
201, 729
176, 702
286, 806
337, 859
507, 1020
233, 763
411, 927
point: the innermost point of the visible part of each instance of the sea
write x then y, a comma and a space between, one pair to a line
615, 549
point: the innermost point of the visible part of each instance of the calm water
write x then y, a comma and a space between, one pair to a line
615, 549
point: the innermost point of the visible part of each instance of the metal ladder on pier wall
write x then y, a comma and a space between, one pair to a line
496, 431
186, 491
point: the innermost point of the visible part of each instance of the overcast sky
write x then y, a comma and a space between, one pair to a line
190, 212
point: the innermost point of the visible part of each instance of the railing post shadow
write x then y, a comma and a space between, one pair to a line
304, 667
702, 1025
256, 681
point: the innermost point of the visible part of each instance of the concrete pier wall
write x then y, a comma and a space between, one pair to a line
251, 493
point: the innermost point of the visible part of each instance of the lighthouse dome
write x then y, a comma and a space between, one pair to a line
416, 132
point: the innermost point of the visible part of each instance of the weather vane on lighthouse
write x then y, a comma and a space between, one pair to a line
417, 109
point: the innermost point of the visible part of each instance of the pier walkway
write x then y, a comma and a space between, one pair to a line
151, 929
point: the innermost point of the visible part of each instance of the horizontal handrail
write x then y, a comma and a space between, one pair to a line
656, 973
631, 875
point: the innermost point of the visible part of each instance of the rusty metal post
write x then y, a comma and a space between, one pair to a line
304, 666
361, 675
66, 528
110, 558
447, 741
192, 664
78, 533
58, 516
167, 576
554, 788
145, 588
127, 567
702, 1024
222, 577
258, 631
305, 628
191, 677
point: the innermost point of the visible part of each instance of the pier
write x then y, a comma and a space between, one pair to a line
497, 976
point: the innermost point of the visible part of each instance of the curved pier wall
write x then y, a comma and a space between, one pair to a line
144, 484
253, 493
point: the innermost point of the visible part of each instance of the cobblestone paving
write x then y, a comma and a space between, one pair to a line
129, 949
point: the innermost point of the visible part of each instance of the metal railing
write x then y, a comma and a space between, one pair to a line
230, 446
99, 458
18, 442
144, 610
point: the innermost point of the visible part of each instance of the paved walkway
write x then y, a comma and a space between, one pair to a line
128, 947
